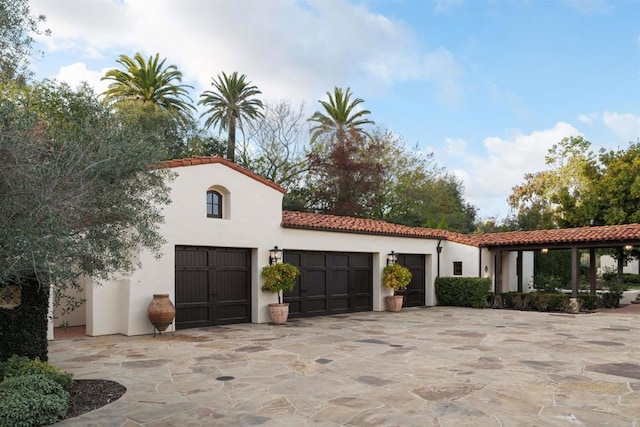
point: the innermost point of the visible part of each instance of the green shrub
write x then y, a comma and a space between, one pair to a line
23, 329
17, 366
535, 301
31, 400
463, 291
588, 302
632, 278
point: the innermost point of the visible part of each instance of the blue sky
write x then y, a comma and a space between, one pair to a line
487, 86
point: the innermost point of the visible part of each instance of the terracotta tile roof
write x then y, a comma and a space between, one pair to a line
608, 233
320, 222
345, 224
192, 161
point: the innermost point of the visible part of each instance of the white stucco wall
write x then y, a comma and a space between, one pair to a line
609, 263
457, 252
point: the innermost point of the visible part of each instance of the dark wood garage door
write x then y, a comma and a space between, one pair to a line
213, 286
330, 283
414, 294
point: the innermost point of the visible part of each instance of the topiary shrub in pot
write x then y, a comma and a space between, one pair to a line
395, 277
279, 278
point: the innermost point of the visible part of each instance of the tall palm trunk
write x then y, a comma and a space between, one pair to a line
231, 142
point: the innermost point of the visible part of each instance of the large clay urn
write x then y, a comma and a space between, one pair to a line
161, 311
279, 313
395, 302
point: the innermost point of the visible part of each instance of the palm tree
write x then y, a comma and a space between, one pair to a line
149, 82
340, 115
232, 102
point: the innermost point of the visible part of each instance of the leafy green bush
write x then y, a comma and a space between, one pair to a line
547, 283
17, 366
395, 277
611, 299
588, 302
23, 329
632, 278
463, 291
279, 278
535, 301
31, 400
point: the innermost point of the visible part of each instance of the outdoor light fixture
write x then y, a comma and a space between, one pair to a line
392, 258
628, 248
545, 251
275, 256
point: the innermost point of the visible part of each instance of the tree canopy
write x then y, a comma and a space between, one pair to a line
17, 27
580, 188
150, 82
233, 101
77, 186
340, 115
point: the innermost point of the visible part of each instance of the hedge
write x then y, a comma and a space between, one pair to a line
540, 301
463, 291
23, 329
535, 301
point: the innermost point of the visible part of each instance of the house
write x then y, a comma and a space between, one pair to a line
223, 221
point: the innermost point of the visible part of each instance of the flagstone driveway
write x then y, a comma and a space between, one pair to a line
435, 366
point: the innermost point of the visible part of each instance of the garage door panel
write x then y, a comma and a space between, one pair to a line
315, 307
195, 287
361, 281
315, 283
339, 282
213, 286
330, 283
314, 260
231, 285
414, 295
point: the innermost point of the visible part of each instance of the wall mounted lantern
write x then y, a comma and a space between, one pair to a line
392, 258
545, 251
275, 256
628, 248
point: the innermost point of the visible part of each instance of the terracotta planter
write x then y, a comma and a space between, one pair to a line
279, 313
161, 311
395, 302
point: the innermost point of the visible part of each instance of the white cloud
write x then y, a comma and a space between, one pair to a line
289, 49
490, 176
77, 73
624, 126
588, 118
455, 146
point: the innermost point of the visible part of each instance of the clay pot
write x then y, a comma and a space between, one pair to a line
161, 311
395, 302
279, 313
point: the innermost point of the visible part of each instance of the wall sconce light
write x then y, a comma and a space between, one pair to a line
275, 256
628, 248
392, 258
545, 251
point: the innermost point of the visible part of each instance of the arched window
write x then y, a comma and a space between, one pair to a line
214, 204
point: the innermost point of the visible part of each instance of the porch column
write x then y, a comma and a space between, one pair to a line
519, 271
498, 271
574, 272
592, 271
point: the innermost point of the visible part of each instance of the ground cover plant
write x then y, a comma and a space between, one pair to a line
35, 393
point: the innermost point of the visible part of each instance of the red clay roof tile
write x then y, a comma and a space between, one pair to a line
320, 222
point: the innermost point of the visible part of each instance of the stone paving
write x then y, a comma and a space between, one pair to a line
437, 366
